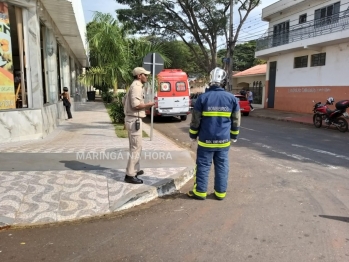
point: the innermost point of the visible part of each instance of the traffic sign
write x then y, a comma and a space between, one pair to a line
154, 63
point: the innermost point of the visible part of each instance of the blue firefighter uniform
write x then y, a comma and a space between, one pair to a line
215, 121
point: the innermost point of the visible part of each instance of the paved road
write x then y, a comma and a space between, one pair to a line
288, 200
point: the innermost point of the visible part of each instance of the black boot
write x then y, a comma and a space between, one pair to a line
133, 180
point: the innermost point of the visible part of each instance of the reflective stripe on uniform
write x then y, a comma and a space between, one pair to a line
234, 132
221, 114
191, 131
220, 195
199, 194
214, 145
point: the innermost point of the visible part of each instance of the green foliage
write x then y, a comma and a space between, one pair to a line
108, 96
198, 23
116, 113
243, 57
116, 109
180, 55
114, 53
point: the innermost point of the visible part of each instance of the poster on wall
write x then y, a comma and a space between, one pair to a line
7, 93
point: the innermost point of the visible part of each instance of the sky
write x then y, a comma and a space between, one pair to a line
252, 29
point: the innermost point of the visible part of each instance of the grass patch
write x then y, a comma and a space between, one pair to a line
119, 127
144, 134
120, 131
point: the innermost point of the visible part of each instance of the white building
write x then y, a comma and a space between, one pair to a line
42, 49
307, 49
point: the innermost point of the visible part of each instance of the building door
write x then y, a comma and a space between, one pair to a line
272, 81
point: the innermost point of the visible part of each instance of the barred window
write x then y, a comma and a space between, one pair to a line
301, 61
318, 59
303, 18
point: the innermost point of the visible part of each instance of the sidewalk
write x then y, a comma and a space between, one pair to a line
301, 118
78, 171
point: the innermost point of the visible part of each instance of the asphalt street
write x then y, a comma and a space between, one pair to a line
287, 200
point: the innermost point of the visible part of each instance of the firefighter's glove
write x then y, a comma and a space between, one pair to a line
192, 140
233, 140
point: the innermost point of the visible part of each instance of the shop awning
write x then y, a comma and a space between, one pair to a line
69, 18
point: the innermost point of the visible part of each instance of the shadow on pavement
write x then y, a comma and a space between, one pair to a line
161, 120
343, 219
77, 165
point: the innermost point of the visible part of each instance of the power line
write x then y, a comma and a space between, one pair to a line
254, 33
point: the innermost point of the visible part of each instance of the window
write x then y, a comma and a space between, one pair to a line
13, 90
165, 87
301, 61
180, 87
281, 33
327, 15
318, 59
303, 18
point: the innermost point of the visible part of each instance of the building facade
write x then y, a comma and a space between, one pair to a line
252, 79
307, 49
42, 49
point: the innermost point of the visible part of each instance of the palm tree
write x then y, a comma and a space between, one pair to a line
113, 53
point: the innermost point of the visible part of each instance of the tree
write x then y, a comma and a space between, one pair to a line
113, 53
182, 57
244, 56
197, 22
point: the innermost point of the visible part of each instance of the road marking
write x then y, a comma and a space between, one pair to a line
298, 157
322, 151
288, 168
249, 129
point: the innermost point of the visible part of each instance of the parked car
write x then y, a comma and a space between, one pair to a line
244, 105
193, 98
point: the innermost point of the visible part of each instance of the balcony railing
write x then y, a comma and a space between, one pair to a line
330, 24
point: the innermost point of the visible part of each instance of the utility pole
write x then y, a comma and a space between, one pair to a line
230, 48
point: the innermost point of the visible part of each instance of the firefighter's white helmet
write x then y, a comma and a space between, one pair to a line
217, 76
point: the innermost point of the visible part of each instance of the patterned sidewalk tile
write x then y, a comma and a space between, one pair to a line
90, 130
52, 196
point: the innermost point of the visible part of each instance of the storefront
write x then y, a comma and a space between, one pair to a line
41, 51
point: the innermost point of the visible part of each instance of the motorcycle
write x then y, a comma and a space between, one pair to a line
331, 117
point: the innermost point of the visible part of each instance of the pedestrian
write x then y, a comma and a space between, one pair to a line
66, 101
243, 92
250, 98
215, 124
134, 109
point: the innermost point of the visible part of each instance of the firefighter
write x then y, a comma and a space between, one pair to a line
215, 124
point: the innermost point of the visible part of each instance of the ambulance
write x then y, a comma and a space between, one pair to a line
172, 95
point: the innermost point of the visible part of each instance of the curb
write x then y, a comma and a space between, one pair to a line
134, 198
143, 195
294, 121
283, 119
